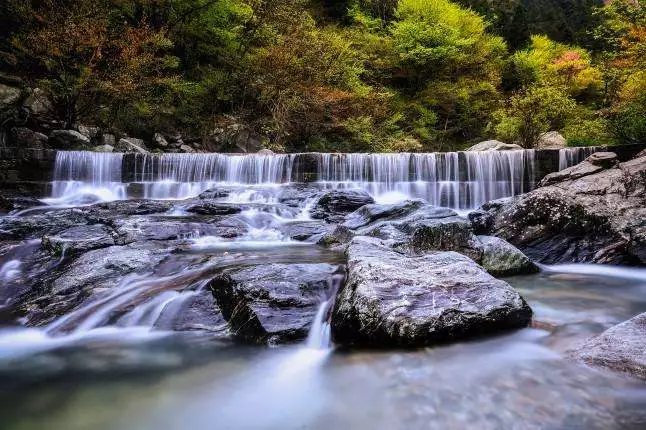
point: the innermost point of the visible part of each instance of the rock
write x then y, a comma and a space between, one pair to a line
606, 160
551, 140
640, 154
91, 133
68, 139
442, 234
501, 258
122, 208
390, 300
483, 219
160, 141
8, 95
38, 102
76, 240
494, 145
272, 303
35, 226
599, 217
593, 164
333, 206
207, 208
214, 194
370, 213
107, 139
266, 152
103, 148
621, 349
187, 149
339, 236
130, 144
198, 313
23, 137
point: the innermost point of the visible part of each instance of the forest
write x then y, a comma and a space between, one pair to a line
354, 75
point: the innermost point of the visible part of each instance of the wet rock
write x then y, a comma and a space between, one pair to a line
494, 145
198, 312
25, 138
101, 268
305, 230
593, 164
621, 349
375, 212
391, 300
551, 140
483, 219
79, 239
214, 194
333, 206
68, 139
501, 258
35, 226
130, 144
127, 208
206, 208
596, 218
339, 236
274, 303
441, 234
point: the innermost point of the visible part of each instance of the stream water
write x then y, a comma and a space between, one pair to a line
113, 362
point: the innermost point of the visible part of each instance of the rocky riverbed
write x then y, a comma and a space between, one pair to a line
124, 285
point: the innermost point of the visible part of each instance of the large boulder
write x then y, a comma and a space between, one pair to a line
391, 300
68, 139
588, 214
333, 206
621, 348
501, 258
130, 144
272, 303
551, 140
23, 137
494, 145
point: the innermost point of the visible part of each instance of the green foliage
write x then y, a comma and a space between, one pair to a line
354, 75
532, 112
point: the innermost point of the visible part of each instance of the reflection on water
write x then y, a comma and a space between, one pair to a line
517, 380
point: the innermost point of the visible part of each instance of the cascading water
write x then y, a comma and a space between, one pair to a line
461, 180
178, 176
569, 157
82, 177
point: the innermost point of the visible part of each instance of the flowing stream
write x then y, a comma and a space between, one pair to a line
140, 349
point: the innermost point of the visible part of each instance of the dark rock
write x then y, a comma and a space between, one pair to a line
501, 258
68, 139
596, 218
273, 303
79, 239
8, 95
25, 138
160, 141
442, 234
130, 144
215, 194
390, 300
127, 207
206, 208
198, 312
482, 219
333, 206
339, 236
374, 212
621, 348
35, 226
38, 103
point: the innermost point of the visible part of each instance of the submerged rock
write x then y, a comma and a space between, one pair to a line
587, 213
333, 206
621, 348
273, 303
391, 300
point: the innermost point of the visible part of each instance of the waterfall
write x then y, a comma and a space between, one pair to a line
569, 157
177, 176
82, 177
461, 180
